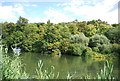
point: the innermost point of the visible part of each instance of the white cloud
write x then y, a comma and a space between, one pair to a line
33, 20
28, 5
56, 16
8, 13
34, 5
19, 9
100, 10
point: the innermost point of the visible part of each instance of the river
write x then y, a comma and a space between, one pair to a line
64, 64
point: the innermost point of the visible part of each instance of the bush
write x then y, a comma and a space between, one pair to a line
64, 45
96, 49
105, 48
98, 40
114, 35
40, 46
76, 49
56, 52
88, 51
80, 38
116, 48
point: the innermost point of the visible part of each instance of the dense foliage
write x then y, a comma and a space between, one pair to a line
73, 38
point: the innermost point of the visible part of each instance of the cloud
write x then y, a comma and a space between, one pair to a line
56, 16
8, 13
34, 5
34, 0
93, 9
19, 9
34, 20
28, 5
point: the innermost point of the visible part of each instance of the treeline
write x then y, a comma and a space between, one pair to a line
73, 38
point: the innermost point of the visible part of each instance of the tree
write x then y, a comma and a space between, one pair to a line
40, 46
8, 29
52, 34
102, 28
97, 40
31, 32
21, 23
76, 49
100, 43
73, 28
114, 35
90, 30
22, 20
81, 26
80, 39
15, 39
65, 32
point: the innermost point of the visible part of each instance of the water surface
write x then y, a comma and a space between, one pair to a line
79, 66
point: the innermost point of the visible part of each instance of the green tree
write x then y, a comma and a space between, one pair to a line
90, 30
114, 35
81, 26
73, 28
21, 23
15, 39
80, 39
75, 49
97, 40
100, 43
8, 29
31, 32
52, 34
102, 28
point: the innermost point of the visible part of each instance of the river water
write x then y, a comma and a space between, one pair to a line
64, 64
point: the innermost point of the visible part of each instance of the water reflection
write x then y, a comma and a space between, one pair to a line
64, 64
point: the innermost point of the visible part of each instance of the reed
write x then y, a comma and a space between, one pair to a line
45, 74
105, 74
12, 68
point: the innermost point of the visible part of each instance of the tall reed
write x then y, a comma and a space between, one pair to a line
105, 74
12, 68
45, 74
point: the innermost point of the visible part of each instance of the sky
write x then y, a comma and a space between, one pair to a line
59, 10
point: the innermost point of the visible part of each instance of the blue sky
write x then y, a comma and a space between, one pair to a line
59, 11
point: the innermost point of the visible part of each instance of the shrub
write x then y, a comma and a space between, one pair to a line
98, 40
76, 49
56, 52
105, 48
114, 35
96, 49
40, 46
116, 48
64, 45
80, 38
88, 51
